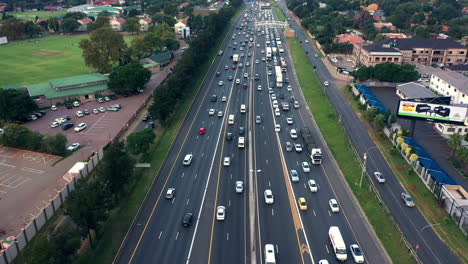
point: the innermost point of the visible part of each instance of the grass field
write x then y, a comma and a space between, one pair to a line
41, 59
41, 14
335, 136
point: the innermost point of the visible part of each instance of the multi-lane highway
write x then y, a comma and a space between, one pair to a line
158, 236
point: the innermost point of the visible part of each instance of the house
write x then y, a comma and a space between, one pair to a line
413, 90
451, 84
182, 28
145, 24
97, 10
411, 51
83, 24
160, 58
116, 23
53, 8
84, 87
394, 35
183, 5
349, 38
442, 36
379, 26
39, 20
460, 68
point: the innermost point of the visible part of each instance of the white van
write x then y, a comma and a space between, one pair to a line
231, 120
270, 254
187, 159
338, 244
243, 108
241, 143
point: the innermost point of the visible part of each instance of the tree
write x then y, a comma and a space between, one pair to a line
34, 141
101, 22
31, 29
104, 48
379, 122
55, 144
70, 24
132, 24
454, 142
133, 13
140, 47
172, 44
53, 24
170, 9
15, 105
12, 28
75, 15
139, 142
160, 18
129, 78
14, 135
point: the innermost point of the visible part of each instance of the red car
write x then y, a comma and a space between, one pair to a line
202, 131
234, 67
244, 86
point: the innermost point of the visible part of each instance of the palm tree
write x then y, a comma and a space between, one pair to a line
462, 155
454, 143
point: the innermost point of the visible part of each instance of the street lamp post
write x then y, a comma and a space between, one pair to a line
417, 247
363, 169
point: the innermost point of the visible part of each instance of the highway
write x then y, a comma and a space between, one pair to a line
410, 221
157, 235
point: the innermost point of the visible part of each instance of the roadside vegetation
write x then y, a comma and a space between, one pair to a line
336, 138
279, 13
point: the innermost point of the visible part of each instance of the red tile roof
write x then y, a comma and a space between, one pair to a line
351, 38
147, 19
85, 20
185, 21
41, 19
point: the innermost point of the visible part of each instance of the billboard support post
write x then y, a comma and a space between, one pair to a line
412, 128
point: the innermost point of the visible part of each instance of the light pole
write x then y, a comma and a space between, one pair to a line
363, 169
417, 247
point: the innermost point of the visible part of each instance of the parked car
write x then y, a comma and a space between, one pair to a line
76, 104
67, 126
73, 146
80, 127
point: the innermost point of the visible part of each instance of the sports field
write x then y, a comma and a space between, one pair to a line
41, 59
41, 14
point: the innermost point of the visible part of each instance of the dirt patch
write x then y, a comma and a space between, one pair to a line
48, 53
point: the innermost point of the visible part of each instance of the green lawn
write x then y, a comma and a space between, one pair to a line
326, 118
41, 14
278, 11
41, 59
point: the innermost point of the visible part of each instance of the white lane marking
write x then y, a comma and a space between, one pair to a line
183, 173
329, 212
177, 236
196, 174
267, 162
314, 212
272, 212
277, 249
227, 236
229, 203
160, 234
188, 200
326, 247
269, 184
203, 154
173, 200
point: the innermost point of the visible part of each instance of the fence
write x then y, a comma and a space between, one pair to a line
28, 233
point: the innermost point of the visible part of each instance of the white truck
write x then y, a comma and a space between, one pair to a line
279, 77
338, 244
315, 152
268, 53
235, 58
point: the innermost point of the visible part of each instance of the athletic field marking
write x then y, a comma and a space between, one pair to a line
32, 170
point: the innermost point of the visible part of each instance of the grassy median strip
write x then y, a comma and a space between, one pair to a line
336, 139
446, 227
278, 11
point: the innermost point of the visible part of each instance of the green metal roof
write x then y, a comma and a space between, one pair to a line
50, 93
77, 80
128, 8
103, 8
161, 57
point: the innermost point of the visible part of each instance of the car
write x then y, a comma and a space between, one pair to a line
230, 78
214, 97
220, 113
67, 126
239, 186
55, 124
294, 176
273, 96
95, 111
257, 77
268, 194
379, 177
202, 131
298, 147
244, 86
306, 41
356, 253
220, 213
187, 160
86, 112
289, 88
302, 204
68, 106
226, 67
211, 112
218, 73
293, 133
220, 83
73, 147
241, 131
270, 73
101, 109
150, 124
313, 187
262, 51
296, 104
53, 108
288, 146
227, 161
234, 67
237, 81
247, 63
223, 99
272, 84
316, 55
325, 83
263, 59
113, 109
277, 128
76, 104
79, 114
289, 121
187, 219
305, 166
259, 87
270, 91
256, 61
277, 112
258, 120
80, 127
107, 99
170, 193
249, 55
407, 199
335, 208
246, 75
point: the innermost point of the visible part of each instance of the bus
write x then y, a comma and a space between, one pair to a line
279, 77
268, 53
338, 244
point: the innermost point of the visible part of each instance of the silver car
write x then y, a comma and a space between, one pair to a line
294, 176
407, 199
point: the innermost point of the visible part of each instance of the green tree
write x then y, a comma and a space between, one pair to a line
75, 15
132, 24
34, 141
12, 28
454, 142
160, 18
172, 44
55, 144
129, 78
170, 9
14, 135
133, 13
140, 47
70, 24
100, 22
15, 105
379, 122
104, 48
462, 155
53, 24
140, 141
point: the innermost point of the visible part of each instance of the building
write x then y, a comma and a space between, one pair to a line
82, 87
411, 51
161, 58
96, 10
181, 28
460, 68
379, 26
455, 85
53, 8
349, 38
145, 24
413, 90
83, 24
394, 35
116, 24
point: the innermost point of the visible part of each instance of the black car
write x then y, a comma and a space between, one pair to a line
42, 112
113, 97
38, 115
214, 98
187, 219
86, 112
146, 118
230, 78
150, 125
69, 106
67, 126
66, 117
241, 131
229, 136
286, 80
272, 85
281, 96
292, 99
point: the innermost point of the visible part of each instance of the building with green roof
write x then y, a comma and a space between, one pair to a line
82, 87
97, 10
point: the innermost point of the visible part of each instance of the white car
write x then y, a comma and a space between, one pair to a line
223, 99
270, 91
227, 161
256, 61
60, 120
325, 83
357, 253
293, 133
259, 87
187, 160
277, 128
237, 81
289, 88
294, 176
305, 166
80, 127
220, 83
298, 147
275, 104
239, 186
220, 213
268, 196
53, 108
73, 146
334, 205
312, 186
211, 112
323, 261
101, 109
277, 112
289, 120
76, 104
55, 124
220, 113
246, 75
79, 113
273, 97
379, 177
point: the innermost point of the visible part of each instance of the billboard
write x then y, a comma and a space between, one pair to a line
429, 111
3, 40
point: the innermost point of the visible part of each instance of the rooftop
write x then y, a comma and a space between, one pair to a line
455, 79
78, 80
351, 38
459, 67
415, 90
